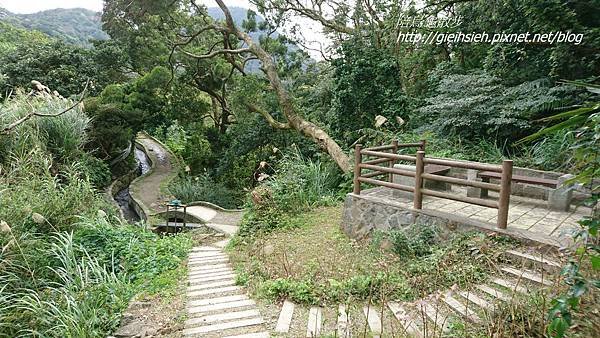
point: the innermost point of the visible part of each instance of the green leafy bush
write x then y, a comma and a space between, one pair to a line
298, 184
202, 188
413, 242
477, 105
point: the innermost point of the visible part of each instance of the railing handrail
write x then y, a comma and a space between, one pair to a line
503, 189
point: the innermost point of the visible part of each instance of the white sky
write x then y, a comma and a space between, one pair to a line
311, 30
32, 6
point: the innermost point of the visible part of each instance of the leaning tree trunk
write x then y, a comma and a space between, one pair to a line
295, 121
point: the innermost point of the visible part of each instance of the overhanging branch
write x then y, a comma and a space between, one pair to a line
274, 123
216, 52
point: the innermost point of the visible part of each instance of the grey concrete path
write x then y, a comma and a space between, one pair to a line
216, 306
147, 189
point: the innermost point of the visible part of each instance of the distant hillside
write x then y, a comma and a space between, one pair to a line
75, 26
11, 37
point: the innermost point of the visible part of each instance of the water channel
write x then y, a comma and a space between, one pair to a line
123, 197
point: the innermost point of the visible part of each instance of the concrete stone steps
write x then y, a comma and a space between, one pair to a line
474, 298
374, 320
534, 260
436, 316
462, 308
528, 275
219, 308
216, 306
285, 317
511, 285
408, 322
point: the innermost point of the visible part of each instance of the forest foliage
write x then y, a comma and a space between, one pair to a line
258, 122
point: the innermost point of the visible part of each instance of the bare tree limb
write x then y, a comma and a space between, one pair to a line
216, 52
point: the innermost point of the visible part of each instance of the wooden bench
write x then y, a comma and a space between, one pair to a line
559, 197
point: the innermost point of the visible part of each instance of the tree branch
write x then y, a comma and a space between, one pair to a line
272, 122
216, 52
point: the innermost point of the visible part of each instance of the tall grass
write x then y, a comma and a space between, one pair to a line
298, 184
301, 182
83, 299
66, 269
64, 135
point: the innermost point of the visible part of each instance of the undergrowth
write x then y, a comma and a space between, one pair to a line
313, 262
202, 188
68, 265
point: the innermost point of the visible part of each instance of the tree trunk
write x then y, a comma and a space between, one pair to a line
295, 121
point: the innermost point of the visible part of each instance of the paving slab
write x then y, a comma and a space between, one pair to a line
206, 292
223, 326
475, 299
211, 285
221, 306
462, 309
373, 320
408, 322
226, 316
528, 275
285, 317
201, 212
217, 300
343, 322
313, 328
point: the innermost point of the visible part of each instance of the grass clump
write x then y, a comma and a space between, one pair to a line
298, 184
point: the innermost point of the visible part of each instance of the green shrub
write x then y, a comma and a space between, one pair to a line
202, 188
298, 184
95, 170
296, 291
132, 251
413, 242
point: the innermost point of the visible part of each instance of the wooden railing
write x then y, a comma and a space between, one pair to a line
380, 156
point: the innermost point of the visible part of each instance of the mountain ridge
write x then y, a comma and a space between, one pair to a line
73, 25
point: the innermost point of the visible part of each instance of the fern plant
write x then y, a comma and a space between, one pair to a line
585, 122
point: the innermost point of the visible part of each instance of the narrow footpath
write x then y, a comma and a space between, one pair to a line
147, 189
216, 307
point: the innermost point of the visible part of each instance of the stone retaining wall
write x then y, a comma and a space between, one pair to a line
364, 213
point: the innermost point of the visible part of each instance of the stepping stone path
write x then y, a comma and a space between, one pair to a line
428, 317
217, 307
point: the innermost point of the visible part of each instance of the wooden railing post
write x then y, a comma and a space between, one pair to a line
420, 166
392, 162
504, 198
357, 162
423, 144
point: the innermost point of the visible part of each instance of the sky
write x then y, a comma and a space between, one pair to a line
32, 6
310, 30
